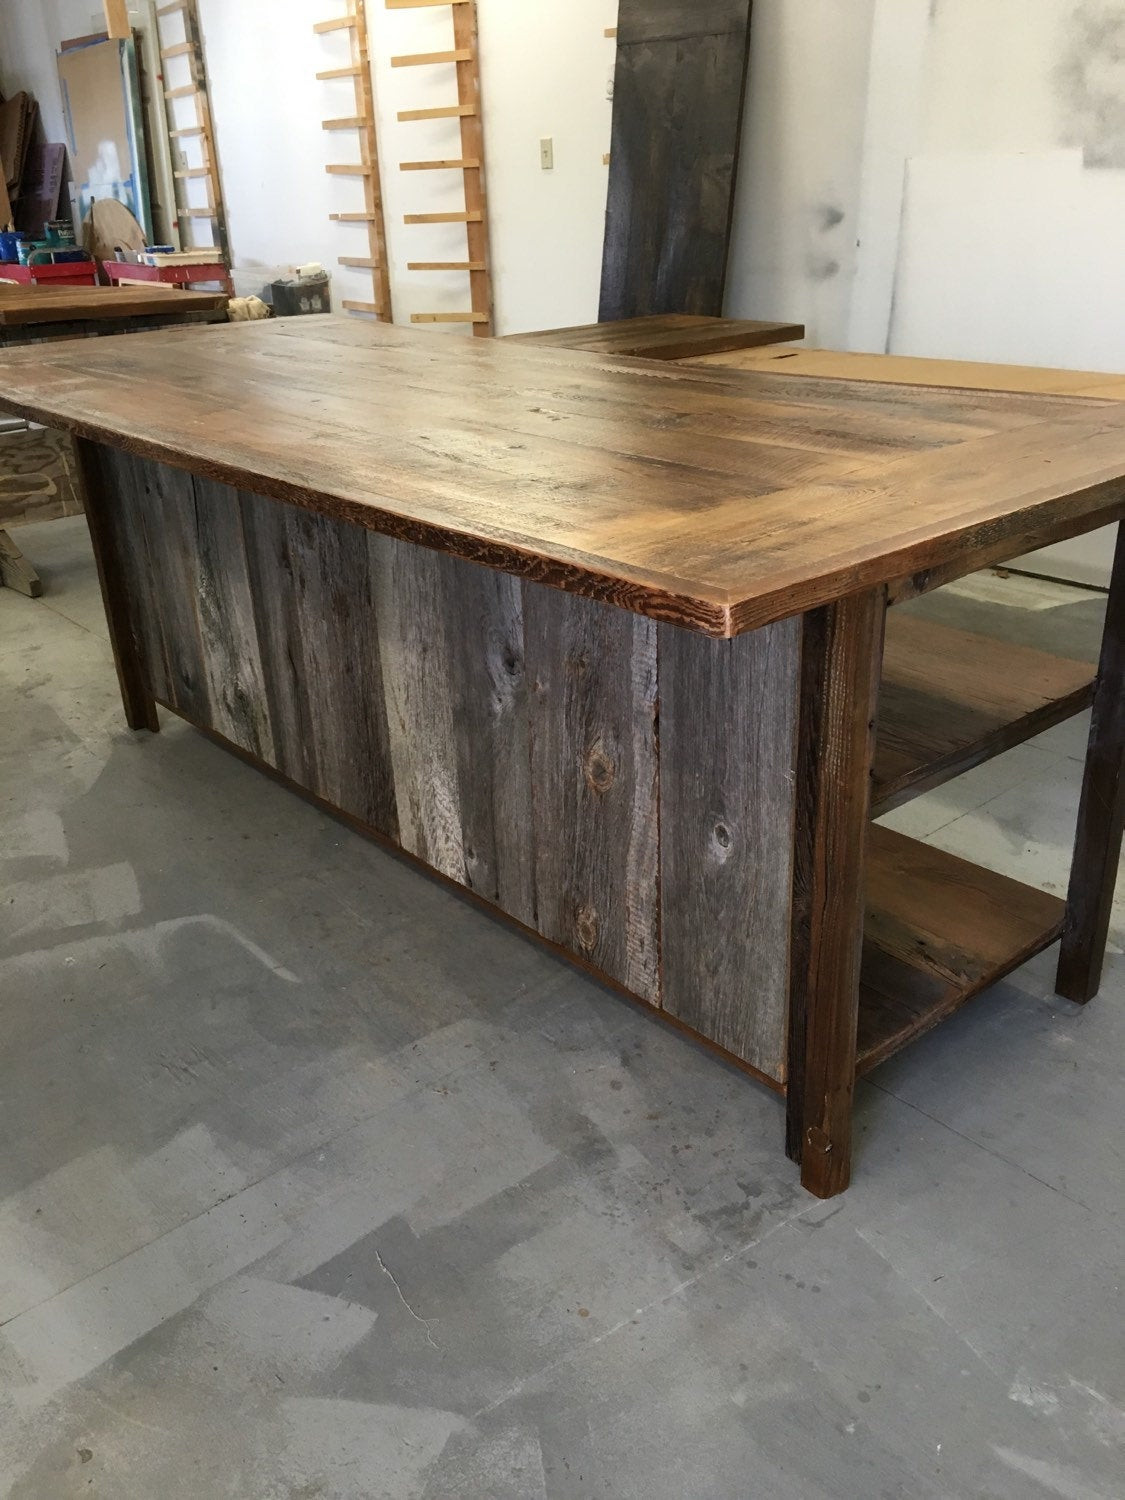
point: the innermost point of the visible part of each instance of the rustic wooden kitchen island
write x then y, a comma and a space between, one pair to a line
601, 640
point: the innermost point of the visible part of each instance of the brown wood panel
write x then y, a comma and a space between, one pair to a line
467, 449
937, 931
950, 699
728, 712
677, 122
840, 669
592, 677
664, 336
1101, 810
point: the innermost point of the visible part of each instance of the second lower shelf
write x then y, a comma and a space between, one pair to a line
951, 699
938, 930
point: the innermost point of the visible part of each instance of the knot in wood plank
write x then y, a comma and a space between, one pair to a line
599, 768
586, 928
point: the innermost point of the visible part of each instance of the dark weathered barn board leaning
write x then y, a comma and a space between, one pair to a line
728, 714
592, 679
677, 120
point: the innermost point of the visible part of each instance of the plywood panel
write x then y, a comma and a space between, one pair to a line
592, 674
727, 743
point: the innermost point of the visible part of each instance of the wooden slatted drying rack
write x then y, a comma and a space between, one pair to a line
367, 168
464, 54
193, 145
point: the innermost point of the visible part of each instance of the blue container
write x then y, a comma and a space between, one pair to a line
10, 245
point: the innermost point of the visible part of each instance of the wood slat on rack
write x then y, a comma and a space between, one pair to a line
464, 56
354, 22
187, 52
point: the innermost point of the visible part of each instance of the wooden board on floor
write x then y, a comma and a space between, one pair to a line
677, 121
717, 500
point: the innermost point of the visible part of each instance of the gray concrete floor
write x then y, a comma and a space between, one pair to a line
315, 1181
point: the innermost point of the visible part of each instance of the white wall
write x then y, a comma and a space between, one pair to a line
793, 247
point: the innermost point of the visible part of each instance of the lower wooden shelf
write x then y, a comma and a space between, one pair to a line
951, 699
938, 930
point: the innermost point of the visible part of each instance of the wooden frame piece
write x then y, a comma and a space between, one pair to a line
1097, 847
207, 169
841, 659
465, 56
354, 22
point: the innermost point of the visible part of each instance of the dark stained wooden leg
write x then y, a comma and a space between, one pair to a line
1097, 845
139, 704
842, 650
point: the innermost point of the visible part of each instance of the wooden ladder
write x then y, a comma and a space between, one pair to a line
467, 111
367, 168
194, 156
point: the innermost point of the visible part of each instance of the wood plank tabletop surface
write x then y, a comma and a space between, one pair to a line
665, 336
719, 500
22, 304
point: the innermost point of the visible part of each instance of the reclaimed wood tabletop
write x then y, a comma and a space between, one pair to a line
717, 500
22, 304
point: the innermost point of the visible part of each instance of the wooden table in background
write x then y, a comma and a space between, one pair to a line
36, 471
601, 641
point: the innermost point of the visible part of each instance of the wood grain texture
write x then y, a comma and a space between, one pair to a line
320, 657
592, 677
951, 699
666, 336
728, 718
720, 501
23, 306
841, 661
228, 631
906, 369
937, 931
120, 584
677, 119
1101, 809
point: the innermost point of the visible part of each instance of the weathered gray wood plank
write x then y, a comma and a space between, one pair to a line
592, 676
231, 655
727, 744
277, 618
338, 645
120, 484
451, 636
483, 616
